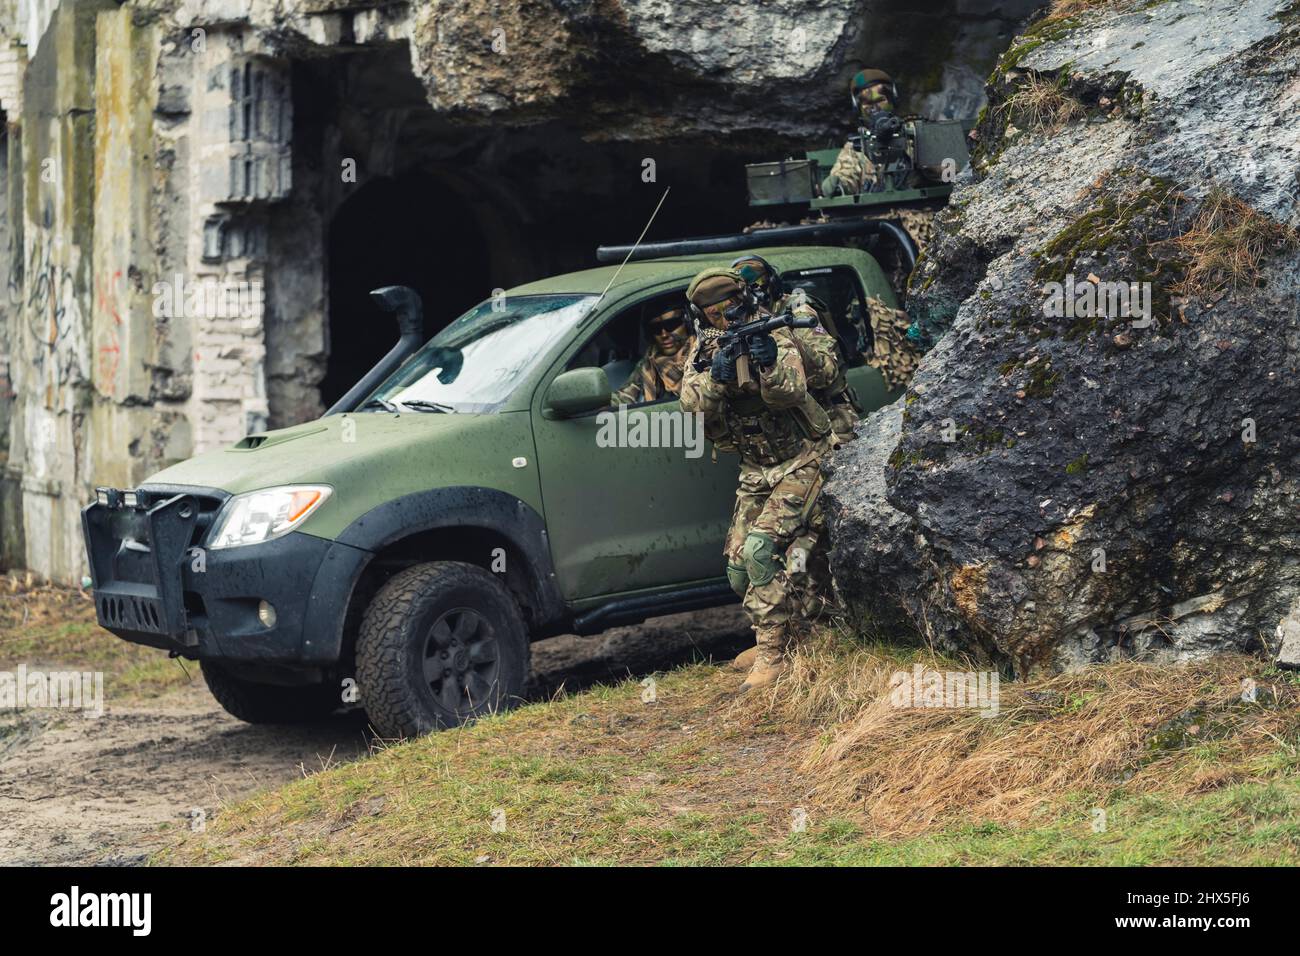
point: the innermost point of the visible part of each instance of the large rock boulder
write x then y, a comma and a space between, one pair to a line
1067, 480
691, 69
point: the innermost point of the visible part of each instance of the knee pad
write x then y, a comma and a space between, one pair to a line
739, 579
759, 553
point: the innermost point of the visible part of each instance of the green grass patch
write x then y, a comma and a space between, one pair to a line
696, 778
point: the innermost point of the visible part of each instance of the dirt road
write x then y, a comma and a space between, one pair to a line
107, 790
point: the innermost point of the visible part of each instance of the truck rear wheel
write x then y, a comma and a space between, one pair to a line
441, 644
256, 703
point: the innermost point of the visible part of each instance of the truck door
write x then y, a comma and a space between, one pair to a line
623, 515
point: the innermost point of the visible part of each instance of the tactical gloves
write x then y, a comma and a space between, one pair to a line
723, 368
762, 349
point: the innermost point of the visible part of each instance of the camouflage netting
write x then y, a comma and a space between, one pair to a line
1056, 490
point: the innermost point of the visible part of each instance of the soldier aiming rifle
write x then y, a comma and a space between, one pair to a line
775, 548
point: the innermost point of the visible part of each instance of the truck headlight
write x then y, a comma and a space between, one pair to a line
258, 516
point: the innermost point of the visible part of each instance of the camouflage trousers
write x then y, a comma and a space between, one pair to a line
776, 554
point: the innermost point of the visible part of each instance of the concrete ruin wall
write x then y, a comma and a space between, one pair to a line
152, 149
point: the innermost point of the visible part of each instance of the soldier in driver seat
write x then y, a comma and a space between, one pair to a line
659, 373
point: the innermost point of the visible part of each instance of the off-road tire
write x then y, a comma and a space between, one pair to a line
256, 703
434, 633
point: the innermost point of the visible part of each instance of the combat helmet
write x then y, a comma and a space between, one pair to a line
710, 286
761, 276
864, 78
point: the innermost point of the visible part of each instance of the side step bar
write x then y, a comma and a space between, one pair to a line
634, 610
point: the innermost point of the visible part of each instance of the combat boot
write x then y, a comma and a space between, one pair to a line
769, 657
744, 660
762, 674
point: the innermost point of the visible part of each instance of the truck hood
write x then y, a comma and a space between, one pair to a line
371, 458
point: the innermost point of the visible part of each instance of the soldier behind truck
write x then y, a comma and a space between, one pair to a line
822, 359
881, 132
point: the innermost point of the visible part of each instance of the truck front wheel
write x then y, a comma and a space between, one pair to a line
441, 644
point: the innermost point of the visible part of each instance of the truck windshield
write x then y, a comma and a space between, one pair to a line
474, 364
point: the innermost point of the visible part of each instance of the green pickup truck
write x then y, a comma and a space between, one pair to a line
403, 550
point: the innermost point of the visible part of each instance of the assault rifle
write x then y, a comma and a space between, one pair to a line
734, 343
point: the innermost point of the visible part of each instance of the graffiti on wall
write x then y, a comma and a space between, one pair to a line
56, 348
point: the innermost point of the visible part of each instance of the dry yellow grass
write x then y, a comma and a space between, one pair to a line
1135, 728
703, 777
1041, 105
1225, 244
1064, 9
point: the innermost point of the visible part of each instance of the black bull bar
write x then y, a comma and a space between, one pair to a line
137, 549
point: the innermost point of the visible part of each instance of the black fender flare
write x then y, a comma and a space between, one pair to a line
388, 523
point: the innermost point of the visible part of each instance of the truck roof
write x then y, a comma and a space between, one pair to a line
651, 271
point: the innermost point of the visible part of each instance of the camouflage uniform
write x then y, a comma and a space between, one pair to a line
821, 357
825, 371
775, 550
851, 174
655, 375
853, 171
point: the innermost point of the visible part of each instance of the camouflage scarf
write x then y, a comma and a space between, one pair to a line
663, 373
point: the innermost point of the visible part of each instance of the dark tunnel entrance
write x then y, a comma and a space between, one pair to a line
456, 211
435, 232
406, 230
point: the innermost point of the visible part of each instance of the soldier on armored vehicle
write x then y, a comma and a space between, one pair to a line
882, 155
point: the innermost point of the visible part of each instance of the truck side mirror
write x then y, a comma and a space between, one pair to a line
576, 391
